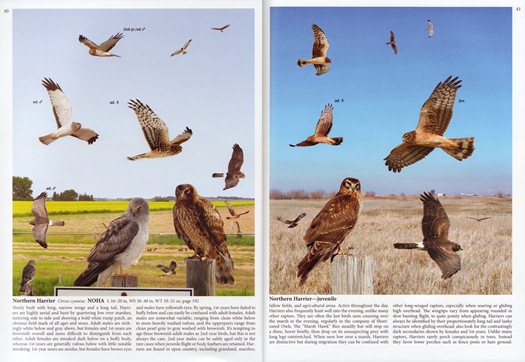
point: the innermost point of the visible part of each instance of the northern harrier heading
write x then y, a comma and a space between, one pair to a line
221, 29
182, 50
430, 29
478, 219
103, 49
41, 221
168, 270
233, 214
435, 225
292, 223
319, 59
434, 117
323, 127
234, 173
392, 42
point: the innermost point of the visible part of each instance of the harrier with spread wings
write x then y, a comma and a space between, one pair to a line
103, 49
323, 127
221, 29
392, 42
41, 221
319, 59
182, 50
430, 29
292, 223
168, 270
233, 214
434, 117
234, 168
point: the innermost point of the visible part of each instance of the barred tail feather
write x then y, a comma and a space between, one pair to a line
337, 141
406, 246
464, 148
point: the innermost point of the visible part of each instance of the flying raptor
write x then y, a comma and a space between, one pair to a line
103, 49
181, 50
233, 214
221, 29
168, 270
319, 48
41, 221
430, 29
292, 223
392, 42
323, 127
234, 173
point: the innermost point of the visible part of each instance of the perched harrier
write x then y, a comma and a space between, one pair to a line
234, 168
156, 133
41, 222
233, 214
330, 227
323, 127
199, 224
478, 219
28, 273
434, 118
319, 59
64, 117
430, 29
103, 49
435, 227
221, 29
392, 42
119, 246
292, 223
182, 50
168, 270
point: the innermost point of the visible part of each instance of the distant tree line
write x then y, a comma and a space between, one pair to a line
22, 191
71, 195
297, 194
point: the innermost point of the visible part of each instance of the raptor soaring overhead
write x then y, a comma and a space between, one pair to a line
319, 48
103, 49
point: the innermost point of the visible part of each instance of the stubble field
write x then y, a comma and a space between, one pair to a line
486, 258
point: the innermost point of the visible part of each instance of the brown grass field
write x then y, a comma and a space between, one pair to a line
486, 258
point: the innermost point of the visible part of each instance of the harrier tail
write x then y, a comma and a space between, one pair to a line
56, 223
337, 141
464, 148
217, 175
406, 246
47, 139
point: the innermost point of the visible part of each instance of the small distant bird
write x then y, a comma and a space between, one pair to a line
168, 270
233, 214
435, 226
28, 273
434, 118
430, 29
64, 117
319, 59
103, 49
479, 219
292, 223
182, 50
41, 221
156, 133
323, 127
461, 100
392, 42
119, 246
234, 168
222, 28
331, 226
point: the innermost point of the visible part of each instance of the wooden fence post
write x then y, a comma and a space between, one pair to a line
352, 275
131, 281
200, 275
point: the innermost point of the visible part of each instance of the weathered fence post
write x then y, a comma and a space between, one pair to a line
200, 275
352, 275
131, 281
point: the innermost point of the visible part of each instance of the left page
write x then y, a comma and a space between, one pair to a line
130, 167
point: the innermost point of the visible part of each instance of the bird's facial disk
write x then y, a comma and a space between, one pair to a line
76, 126
352, 184
328, 60
409, 136
183, 191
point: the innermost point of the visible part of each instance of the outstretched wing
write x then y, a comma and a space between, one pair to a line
447, 260
435, 223
39, 206
61, 106
320, 46
186, 44
300, 217
87, 42
236, 160
232, 212
324, 125
110, 43
405, 155
155, 130
183, 137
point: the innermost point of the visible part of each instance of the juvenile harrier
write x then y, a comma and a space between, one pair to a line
41, 221
434, 118
221, 29
119, 246
234, 168
430, 29
319, 59
435, 227
28, 273
156, 133
168, 270
199, 224
103, 49
292, 223
182, 50
233, 214
330, 227
323, 127
64, 117
392, 42
478, 219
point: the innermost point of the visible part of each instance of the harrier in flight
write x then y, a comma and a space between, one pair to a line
319, 59
435, 227
199, 224
323, 127
234, 173
479, 219
430, 29
41, 221
156, 133
168, 270
292, 223
64, 117
119, 246
330, 227
221, 29
392, 42
182, 50
434, 118
103, 49
233, 214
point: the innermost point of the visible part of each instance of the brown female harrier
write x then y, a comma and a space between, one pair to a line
435, 227
319, 59
323, 127
292, 223
234, 168
434, 118
233, 214
103, 49
392, 42
330, 227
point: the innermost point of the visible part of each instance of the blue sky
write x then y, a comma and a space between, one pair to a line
210, 90
383, 94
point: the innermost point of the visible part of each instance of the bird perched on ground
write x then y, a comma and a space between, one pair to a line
156, 133
430, 29
168, 270
119, 246
199, 224
64, 117
292, 223
435, 226
233, 214
103, 49
28, 273
41, 221
319, 59
478, 219
434, 117
234, 168
221, 29
182, 50
323, 127
330, 227
392, 42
